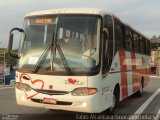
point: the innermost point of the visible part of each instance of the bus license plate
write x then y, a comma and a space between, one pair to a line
49, 100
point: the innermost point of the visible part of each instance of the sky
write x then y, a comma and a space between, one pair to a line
142, 15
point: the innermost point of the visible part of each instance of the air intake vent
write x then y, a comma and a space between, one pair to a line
51, 92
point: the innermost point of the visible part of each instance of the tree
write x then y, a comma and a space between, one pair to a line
153, 37
8, 58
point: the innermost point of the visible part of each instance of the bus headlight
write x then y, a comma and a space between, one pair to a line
84, 91
23, 86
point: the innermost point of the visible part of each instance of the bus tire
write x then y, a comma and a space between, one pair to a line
140, 92
116, 95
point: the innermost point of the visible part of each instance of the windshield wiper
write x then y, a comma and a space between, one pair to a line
41, 59
65, 63
45, 54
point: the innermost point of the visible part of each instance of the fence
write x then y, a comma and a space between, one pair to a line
2, 68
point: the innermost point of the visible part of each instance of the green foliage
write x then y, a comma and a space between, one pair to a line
8, 58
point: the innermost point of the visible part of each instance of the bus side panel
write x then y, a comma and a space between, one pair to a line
108, 84
127, 70
143, 68
104, 96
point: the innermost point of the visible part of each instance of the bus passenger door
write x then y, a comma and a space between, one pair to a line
107, 45
107, 57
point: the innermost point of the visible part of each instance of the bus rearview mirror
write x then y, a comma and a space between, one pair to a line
10, 43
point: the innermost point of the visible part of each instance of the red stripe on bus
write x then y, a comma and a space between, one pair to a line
123, 67
134, 72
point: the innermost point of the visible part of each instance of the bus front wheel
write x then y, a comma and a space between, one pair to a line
116, 95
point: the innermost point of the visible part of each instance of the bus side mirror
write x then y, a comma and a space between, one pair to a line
10, 43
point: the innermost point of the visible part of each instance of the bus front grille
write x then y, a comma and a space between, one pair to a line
51, 92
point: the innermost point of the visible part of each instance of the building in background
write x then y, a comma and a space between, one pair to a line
155, 55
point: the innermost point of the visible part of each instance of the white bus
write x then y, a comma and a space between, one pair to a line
83, 60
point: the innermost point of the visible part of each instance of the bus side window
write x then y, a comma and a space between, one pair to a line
145, 44
107, 43
148, 47
149, 50
142, 45
129, 39
119, 35
136, 42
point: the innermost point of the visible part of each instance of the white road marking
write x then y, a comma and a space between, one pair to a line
157, 116
148, 101
6, 87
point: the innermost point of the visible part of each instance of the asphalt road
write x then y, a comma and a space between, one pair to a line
147, 107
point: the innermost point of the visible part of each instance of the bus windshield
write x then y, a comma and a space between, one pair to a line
77, 36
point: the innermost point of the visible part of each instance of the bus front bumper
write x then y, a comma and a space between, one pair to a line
87, 104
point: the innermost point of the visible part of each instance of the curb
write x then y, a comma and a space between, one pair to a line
1, 86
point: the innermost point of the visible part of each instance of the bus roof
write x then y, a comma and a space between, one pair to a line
69, 11
94, 11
